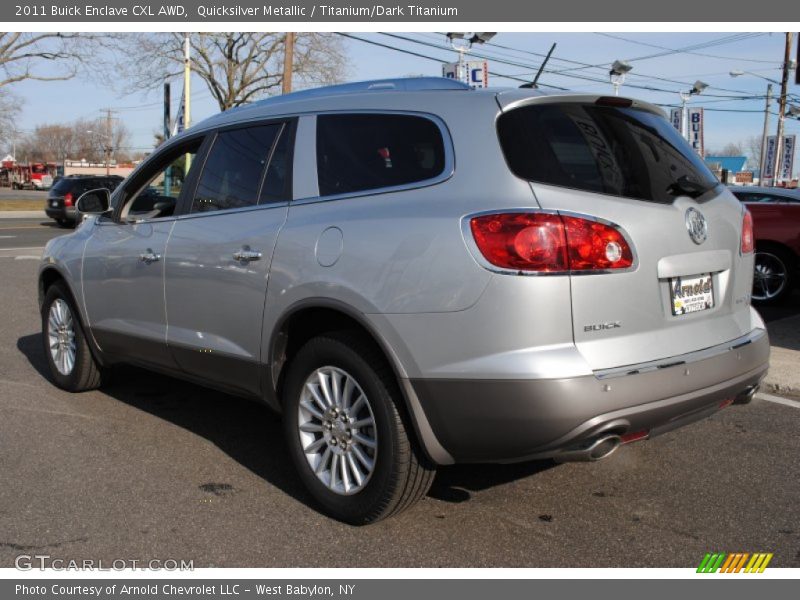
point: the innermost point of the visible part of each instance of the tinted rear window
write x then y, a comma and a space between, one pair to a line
372, 151
610, 150
62, 186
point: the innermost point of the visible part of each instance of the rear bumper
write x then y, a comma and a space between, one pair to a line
513, 420
60, 212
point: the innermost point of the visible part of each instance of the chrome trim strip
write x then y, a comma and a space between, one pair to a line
681, 359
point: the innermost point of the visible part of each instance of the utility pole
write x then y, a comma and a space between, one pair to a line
787, 56
109, 145
288, 62
762, 163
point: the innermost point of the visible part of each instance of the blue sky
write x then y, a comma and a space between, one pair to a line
60, 101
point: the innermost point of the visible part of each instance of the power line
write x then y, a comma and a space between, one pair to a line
481, 54
438, 60
624, 39
602, 67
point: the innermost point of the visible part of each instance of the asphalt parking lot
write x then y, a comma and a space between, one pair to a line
155, 468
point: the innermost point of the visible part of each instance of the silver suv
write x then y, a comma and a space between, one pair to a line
417, 274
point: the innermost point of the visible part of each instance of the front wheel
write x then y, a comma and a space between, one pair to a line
346, 432
72, 366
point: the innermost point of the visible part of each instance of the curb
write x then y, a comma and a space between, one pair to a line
22, 214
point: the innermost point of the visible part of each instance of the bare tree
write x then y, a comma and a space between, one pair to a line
752, 147
81, 139
22, 55
731, 149
53, 142
237, 67
9, 109
92, 137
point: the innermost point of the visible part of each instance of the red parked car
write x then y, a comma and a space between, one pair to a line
776, 225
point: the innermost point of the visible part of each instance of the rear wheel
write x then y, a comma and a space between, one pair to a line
346, 432
773, 275
72, 366
64, 223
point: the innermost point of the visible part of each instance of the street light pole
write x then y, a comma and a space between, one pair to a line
782, 107
684, 125
697, 88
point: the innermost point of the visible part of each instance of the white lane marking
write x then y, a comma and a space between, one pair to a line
778, 400
7, 237
27, 257
14, 252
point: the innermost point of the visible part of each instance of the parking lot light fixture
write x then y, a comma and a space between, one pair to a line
739, 73
619, 69
698, 88
462, 43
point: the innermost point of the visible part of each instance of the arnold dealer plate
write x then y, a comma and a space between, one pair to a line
691, 294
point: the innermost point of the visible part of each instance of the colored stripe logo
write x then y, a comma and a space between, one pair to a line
737, 562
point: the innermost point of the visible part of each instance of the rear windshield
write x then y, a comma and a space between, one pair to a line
62, 185
610, 150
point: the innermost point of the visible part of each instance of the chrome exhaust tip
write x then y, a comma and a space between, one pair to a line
595, 449
746, 396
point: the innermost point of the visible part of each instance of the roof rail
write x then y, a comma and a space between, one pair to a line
407, 84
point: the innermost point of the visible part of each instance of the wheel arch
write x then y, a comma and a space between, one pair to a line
315, 316
50, 275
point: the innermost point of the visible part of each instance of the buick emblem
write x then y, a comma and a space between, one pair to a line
697, 226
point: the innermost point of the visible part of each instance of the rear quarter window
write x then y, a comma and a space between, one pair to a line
361, 152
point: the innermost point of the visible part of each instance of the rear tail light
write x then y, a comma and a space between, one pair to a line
550, 243
68, 199
748, 241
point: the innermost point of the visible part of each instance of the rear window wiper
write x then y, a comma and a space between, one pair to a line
683, 186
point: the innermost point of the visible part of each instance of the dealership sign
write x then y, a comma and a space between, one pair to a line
476, 72
696, 130
786, 169
676, 118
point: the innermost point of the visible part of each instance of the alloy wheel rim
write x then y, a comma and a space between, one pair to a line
61, 336
769, 277
337, 430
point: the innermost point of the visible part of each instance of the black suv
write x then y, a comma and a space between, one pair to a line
66, 191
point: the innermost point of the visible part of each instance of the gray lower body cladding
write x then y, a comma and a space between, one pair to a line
513, 420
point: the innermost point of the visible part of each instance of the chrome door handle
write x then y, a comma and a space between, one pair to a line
149, 257
246, 255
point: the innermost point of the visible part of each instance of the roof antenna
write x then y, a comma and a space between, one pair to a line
532, 84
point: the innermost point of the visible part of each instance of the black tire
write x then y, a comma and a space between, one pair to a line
85, 373
65, 223
402, 474
776, 258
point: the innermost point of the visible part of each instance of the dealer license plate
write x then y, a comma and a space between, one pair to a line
691, 294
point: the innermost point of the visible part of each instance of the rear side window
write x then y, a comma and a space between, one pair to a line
233, 171
610, 150
358, 152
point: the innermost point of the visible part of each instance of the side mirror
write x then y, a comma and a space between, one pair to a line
94, 202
